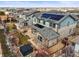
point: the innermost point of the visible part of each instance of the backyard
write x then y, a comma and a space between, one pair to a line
22, 39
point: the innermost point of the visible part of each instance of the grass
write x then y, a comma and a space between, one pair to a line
22, 39
10, 26
5, 50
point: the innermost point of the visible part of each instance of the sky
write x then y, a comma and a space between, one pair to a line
39, 3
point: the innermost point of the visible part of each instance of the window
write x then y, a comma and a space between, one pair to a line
68, 23
41, 21
25, 24
47, 24
38, 21
44, 22
34, 19
54, 25
50, 23
39, 38
34, 31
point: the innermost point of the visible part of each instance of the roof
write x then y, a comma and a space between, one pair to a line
52, 16
46, 32
26, 49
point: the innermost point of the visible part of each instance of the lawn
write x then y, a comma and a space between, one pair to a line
10, 26
5, 50
22, 39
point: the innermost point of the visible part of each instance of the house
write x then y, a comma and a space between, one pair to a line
25, 18
45, 36
63, 24
50, 27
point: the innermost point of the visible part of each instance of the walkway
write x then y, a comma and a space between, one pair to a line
59, 46
0, 50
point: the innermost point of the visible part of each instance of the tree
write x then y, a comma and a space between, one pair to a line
69, 50
2, 13
65, 41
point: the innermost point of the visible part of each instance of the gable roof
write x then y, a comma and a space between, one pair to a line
53, 17
68, 15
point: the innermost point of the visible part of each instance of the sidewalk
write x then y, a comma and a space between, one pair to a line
0, 50
56, 48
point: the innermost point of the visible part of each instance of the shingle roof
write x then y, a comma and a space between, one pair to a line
46, 32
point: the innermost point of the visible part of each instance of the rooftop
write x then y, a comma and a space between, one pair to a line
46, 32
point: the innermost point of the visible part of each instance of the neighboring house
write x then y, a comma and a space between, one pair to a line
26, 17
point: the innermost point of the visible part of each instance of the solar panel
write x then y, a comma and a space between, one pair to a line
52, 16
26, 49
39, 26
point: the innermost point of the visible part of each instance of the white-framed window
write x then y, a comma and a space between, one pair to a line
39, 38
41, 22
54, 25
34, 20
47, 23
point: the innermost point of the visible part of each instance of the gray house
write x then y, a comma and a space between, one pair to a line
45, 36
49, 27
63, 24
